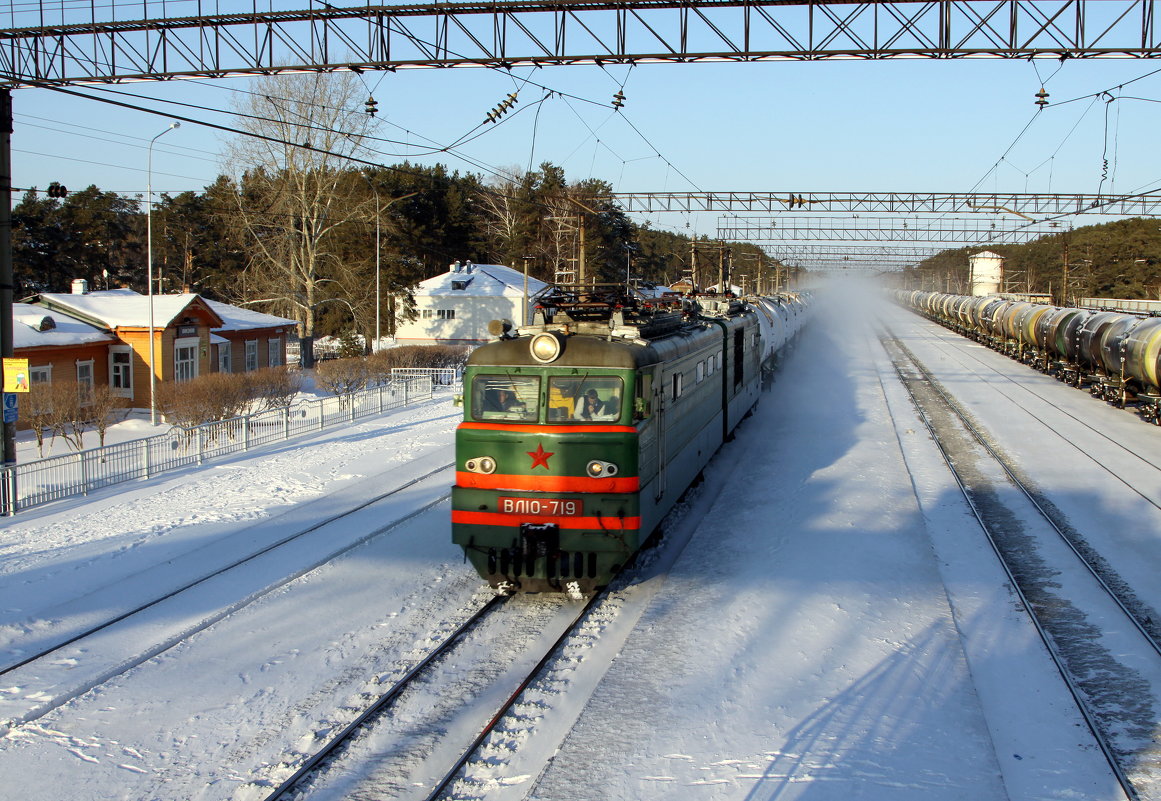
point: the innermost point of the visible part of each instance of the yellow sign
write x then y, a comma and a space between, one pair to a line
16, 375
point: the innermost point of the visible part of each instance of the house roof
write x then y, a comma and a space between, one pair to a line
484, 280
237, 318
121, 308
28, 320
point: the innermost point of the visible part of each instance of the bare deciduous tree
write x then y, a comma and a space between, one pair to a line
290, 187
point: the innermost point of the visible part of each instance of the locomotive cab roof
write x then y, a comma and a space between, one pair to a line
605, 325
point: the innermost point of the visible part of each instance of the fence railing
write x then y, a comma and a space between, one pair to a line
440, 376
24, 486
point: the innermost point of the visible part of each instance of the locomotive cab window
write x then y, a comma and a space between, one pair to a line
585, 399
506, 397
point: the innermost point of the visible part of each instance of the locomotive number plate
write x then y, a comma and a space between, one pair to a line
547, 507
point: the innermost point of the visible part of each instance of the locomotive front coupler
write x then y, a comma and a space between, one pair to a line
540, 539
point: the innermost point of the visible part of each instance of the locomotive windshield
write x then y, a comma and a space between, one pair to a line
582, 399
506, 397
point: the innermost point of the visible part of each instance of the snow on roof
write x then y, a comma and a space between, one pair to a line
122, 307
28, 320
484, 280
237, 318
987, 254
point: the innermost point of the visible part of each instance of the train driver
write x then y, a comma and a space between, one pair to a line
591, 407
503, 400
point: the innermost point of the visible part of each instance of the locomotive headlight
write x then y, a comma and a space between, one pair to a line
545, 348
481, 464
599, 469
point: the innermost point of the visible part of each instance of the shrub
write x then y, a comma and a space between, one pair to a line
104, 409
342, 376
64, 410
381, 363
215, 396
273, 387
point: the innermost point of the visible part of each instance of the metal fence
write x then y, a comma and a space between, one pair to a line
440, 376
24, 486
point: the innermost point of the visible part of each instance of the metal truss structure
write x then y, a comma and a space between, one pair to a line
1022, 205
978, 230
68, 44
848, 257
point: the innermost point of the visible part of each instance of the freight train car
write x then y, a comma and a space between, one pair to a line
581, 430
1115, 355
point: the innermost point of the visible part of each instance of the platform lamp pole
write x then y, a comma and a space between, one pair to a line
149, 259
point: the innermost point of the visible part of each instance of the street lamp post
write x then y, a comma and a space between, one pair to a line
378, 249
149, 259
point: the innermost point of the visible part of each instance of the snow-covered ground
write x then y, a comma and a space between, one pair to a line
823, 621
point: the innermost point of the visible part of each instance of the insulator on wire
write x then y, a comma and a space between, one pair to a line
56, 190
618, 99
1041, 98
500, 110
372, 107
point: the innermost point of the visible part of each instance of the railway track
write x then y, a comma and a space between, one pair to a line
126, 657
497, 730
1137, 456
1105, 648
425, 674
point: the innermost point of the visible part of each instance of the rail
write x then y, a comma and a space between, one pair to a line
24, 486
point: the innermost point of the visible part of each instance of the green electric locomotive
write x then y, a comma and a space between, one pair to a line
582, 430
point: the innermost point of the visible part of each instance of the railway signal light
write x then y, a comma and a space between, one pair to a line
56, 190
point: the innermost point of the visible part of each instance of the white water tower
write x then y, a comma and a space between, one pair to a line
986, 273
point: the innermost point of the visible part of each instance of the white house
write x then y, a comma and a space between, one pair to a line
455, 308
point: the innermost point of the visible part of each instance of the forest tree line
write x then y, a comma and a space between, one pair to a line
1121, 259
238, 241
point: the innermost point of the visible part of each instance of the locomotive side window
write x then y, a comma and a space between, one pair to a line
643, 402
506, 397
583, 399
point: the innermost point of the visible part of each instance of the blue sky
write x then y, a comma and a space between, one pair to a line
899, 126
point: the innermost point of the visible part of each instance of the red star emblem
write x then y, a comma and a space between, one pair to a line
539, 457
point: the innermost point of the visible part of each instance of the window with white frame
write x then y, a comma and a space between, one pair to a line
121, 371
251, 355
224, 362
427, 314
445, 314
40, 375
85, 381
185, 359
274, 351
